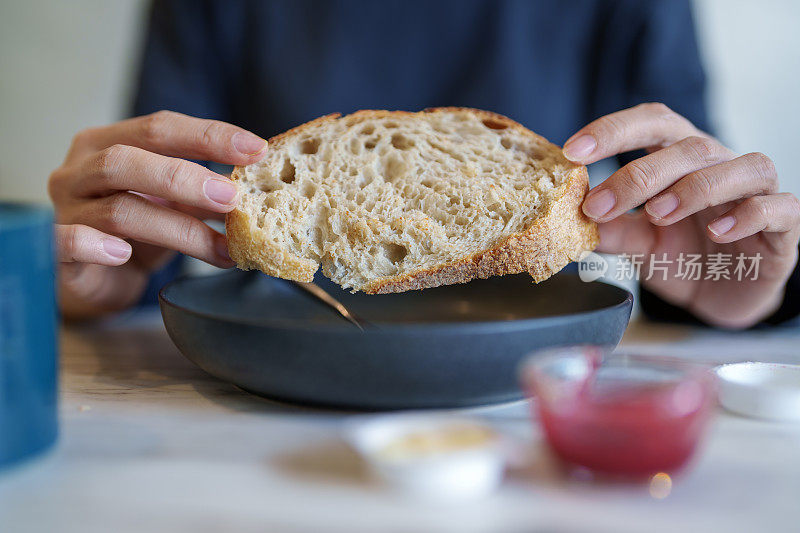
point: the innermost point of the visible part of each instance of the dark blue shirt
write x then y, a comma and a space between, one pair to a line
552, 65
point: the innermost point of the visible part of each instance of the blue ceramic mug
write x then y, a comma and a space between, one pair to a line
28, 330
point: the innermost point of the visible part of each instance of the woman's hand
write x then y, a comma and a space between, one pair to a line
699, 198
125, 199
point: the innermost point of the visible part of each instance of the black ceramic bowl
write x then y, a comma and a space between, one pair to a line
445, 347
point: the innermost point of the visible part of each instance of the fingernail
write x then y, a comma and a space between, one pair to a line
247, 143
721, 226
662, 205
117, 248
222, 249
598, 203
220, 191
580, 147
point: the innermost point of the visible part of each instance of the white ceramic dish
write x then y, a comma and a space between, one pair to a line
761, 390
448, 475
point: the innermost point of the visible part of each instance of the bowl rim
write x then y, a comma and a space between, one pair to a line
377, 328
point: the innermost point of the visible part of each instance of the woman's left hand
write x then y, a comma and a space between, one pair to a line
699, 198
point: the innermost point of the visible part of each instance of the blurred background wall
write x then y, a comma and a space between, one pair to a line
65, 65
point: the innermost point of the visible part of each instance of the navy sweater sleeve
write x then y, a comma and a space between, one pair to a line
648, 53
190, 58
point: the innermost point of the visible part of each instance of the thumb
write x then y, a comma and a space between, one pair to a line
630, 233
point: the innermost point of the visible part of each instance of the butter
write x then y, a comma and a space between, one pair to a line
437, 441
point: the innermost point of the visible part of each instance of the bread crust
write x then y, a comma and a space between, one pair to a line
561, 234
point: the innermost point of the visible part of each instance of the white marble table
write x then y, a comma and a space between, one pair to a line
151, 443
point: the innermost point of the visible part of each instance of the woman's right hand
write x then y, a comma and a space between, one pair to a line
126, 198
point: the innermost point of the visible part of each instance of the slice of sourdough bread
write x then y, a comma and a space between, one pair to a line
394, 201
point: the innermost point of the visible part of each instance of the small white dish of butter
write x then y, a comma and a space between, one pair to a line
430, 457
